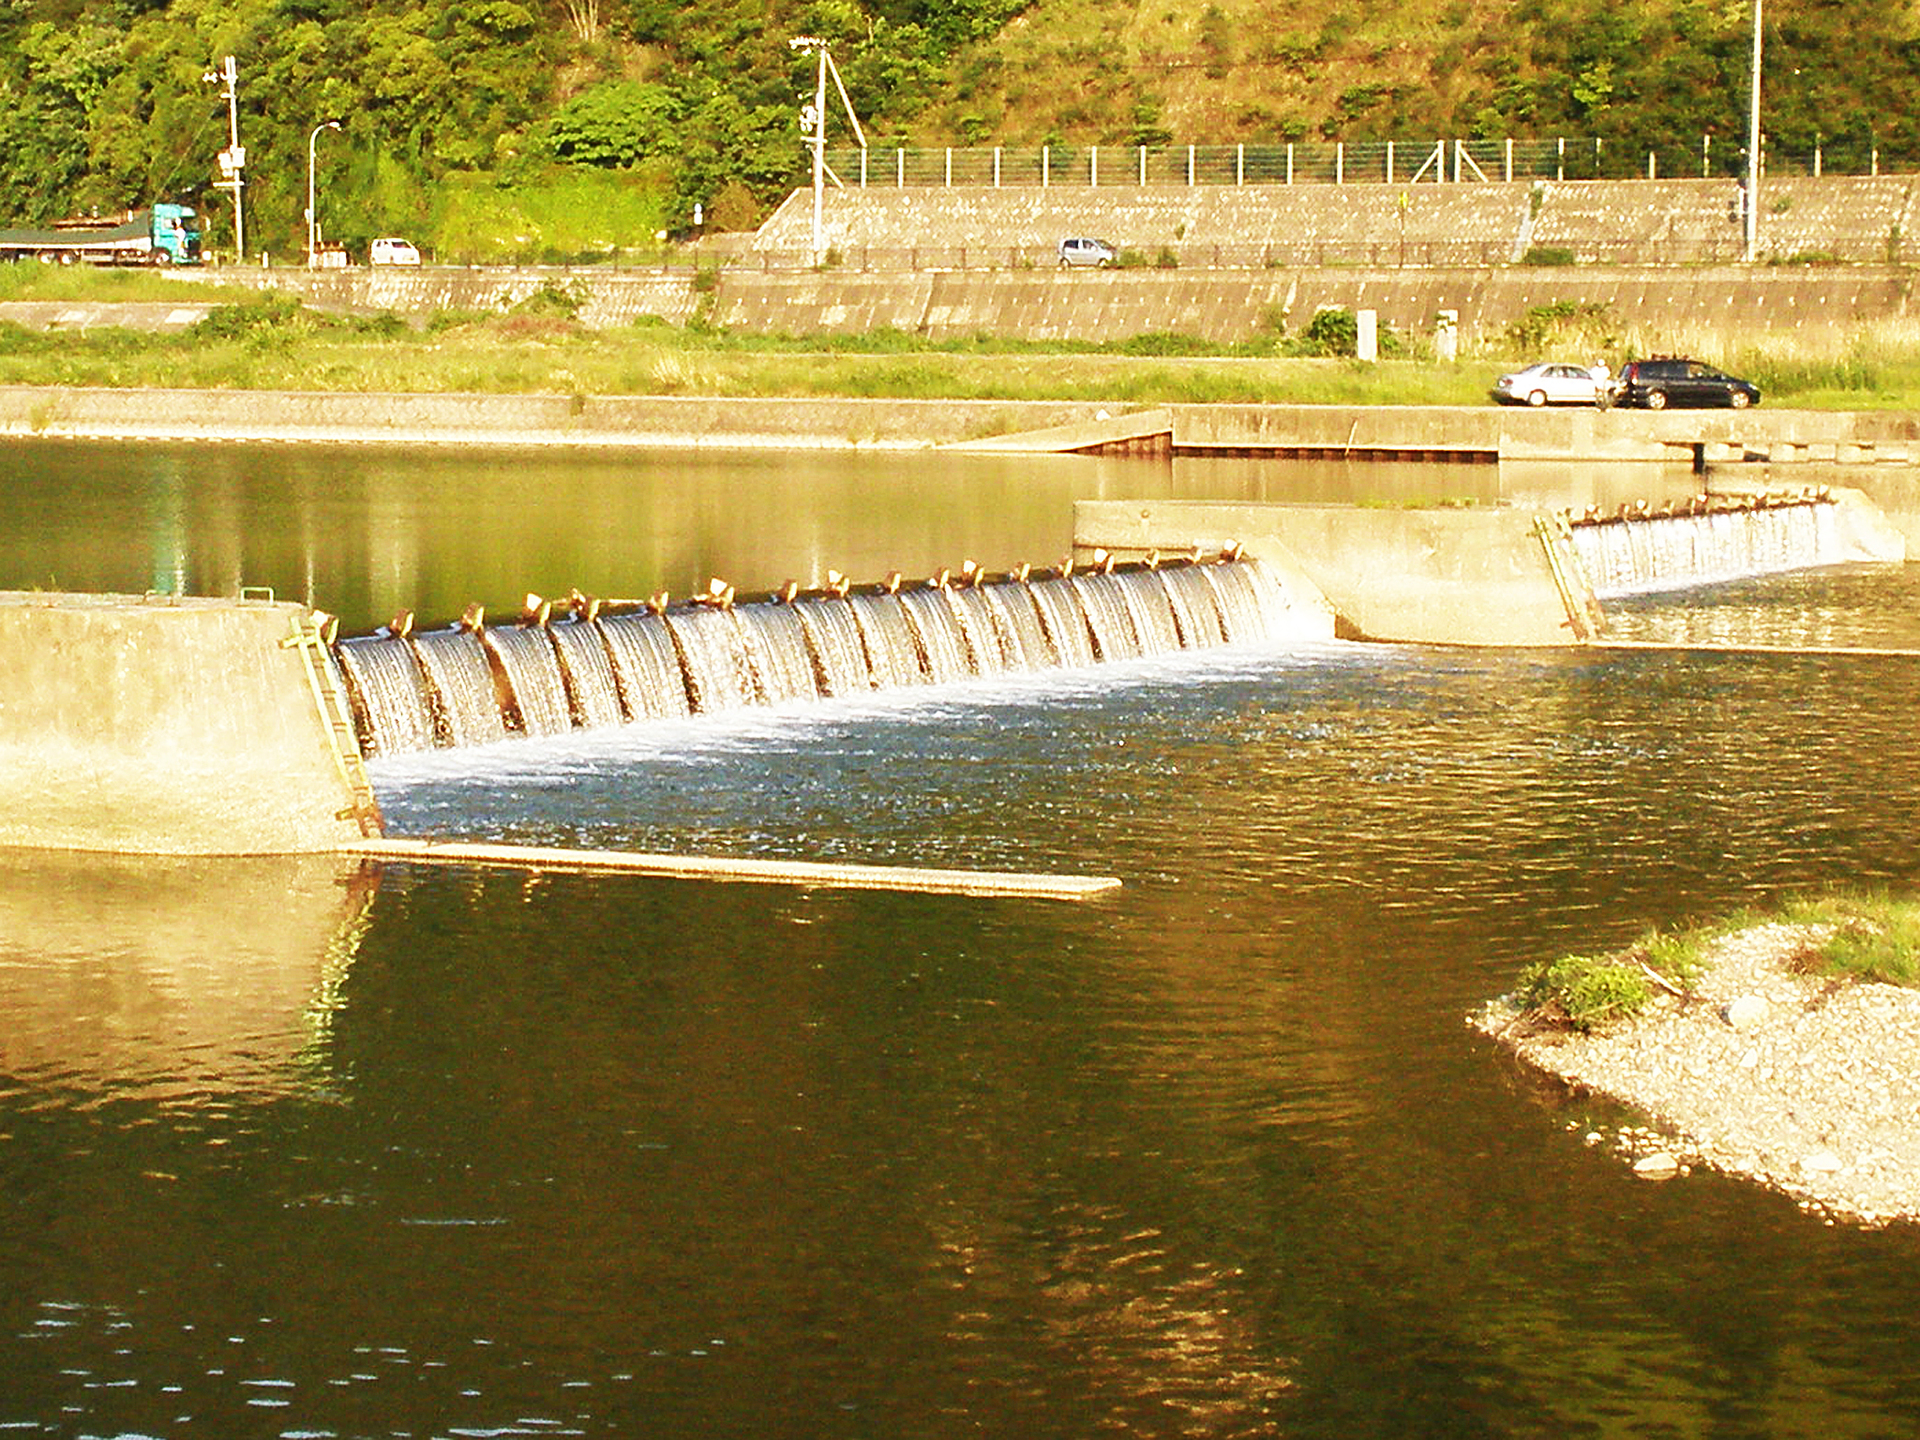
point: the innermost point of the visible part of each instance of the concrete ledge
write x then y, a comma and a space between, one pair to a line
764, 872
597, 422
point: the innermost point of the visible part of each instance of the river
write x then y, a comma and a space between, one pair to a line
297, 1148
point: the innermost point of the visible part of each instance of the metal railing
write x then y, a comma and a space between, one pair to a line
1341, 162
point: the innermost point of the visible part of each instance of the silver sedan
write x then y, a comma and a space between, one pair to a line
1554, 384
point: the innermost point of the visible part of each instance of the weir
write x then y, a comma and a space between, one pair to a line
475, 683
1509, 576
163, 724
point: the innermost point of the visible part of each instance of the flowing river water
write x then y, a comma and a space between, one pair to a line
298, 1149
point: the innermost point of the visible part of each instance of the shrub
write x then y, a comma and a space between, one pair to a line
551, 302
271, 310
1574, 324
1332, 331
1548, 255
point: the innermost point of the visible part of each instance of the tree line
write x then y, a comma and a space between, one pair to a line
557, 126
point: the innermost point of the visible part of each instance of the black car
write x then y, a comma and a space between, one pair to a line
1656, 384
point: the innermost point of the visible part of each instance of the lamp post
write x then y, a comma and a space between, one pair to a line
313, 223
1753, 144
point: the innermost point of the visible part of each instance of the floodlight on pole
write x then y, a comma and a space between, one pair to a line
313, 219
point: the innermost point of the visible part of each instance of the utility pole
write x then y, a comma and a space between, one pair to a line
813, 124
233, 159
1753, 145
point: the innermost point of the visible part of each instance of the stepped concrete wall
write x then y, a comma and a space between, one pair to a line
1644, 222
162, 725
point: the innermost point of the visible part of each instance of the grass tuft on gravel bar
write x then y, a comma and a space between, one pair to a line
1587, 992
1860, 935
1845, 935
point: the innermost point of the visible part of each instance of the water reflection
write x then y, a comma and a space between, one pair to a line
166, 979
1848, 607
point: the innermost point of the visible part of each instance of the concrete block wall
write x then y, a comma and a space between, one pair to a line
1853, 217
1658, 222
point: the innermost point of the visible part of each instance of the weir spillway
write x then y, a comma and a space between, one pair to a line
241, 725
475, 684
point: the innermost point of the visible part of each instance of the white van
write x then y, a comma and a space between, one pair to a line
392, 250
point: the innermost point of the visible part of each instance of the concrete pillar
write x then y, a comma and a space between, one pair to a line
1446, 336
1366, 340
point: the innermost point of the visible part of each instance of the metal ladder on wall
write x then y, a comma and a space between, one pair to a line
335, 721
1584, 616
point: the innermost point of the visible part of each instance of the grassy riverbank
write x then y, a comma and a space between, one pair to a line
269, 342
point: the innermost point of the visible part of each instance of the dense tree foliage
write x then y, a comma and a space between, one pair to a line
450, 110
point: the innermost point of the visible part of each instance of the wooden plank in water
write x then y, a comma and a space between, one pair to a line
764, 872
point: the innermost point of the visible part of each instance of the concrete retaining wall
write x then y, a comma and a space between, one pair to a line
162, 725
1875, 441
1652, 309
531, 420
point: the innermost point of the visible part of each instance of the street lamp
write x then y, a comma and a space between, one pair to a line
313, 224
1753, 144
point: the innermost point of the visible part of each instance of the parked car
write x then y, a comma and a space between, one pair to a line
392, 250
1083, 250
1550, 383
1657, 383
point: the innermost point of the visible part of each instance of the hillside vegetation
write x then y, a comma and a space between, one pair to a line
550, 129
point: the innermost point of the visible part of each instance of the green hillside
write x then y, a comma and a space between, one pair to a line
527, 129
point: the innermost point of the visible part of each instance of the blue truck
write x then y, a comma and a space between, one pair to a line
160, 234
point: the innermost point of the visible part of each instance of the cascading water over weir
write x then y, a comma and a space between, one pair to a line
1708, 538
610, 664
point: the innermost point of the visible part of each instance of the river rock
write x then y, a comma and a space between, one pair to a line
1657, 1166
1745, 1011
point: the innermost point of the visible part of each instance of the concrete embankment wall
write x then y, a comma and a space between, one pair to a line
530, 420
1653, 309
163, 725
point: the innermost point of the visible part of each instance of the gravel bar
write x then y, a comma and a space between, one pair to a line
1807, 1084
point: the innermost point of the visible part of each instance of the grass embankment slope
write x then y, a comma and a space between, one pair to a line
269, 342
